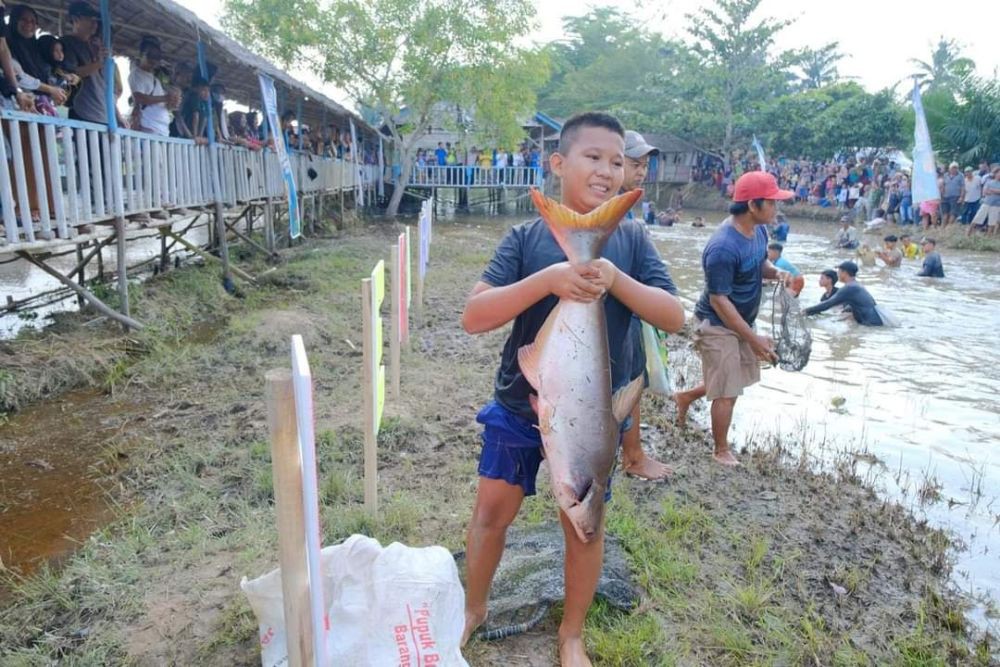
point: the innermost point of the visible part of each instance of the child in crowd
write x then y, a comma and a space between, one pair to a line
523, 282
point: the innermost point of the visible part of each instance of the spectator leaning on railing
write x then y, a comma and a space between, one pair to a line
150, 99
87, 61
30, 67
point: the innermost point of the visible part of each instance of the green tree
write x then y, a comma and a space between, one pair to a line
602, 64
946, 70
738, 73
973, 133
815, 68
417, 54
842, 118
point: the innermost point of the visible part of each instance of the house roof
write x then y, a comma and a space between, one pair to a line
669, 143
178, 30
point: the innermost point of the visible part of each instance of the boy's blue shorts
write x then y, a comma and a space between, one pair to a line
512, 448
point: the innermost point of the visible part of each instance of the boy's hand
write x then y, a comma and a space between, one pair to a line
576, 283
607, 272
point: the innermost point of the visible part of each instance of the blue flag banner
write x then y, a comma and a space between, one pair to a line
760, 153
270, 98
924, 185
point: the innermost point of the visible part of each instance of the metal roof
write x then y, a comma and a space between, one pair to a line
178, 30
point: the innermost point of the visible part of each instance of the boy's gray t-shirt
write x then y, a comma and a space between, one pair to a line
530, 247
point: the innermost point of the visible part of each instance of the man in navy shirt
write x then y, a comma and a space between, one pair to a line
735, 263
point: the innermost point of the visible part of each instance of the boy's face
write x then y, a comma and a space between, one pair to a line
772, 255
824, 281
593, 169
890, 245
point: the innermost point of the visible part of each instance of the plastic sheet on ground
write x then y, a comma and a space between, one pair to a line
530, 580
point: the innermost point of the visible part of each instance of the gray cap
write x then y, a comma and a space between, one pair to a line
636, 147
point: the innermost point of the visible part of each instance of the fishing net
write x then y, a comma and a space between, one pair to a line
793, 342
529, 580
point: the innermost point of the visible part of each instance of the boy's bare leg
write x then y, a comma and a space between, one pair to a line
582, 571
497, 503
722, 417
684, 399
635, 461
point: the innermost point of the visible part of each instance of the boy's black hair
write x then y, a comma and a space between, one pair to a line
741, 207
776, 246
891, 238
831, 274
571, 128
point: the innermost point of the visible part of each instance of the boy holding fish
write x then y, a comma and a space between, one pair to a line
570, 282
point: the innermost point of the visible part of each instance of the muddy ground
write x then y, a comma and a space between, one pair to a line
769, 564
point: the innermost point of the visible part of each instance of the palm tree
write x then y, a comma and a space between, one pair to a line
974, 131
946, 69
818, 67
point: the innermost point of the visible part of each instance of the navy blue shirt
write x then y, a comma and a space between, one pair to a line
781, 231
932, 268
529, 248
854, 298
734, 267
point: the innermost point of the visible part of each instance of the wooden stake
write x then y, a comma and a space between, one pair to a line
394, 327
368, 402
99, 305
239, 273
286, 466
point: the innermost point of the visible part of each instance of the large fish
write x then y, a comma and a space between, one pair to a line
569, 367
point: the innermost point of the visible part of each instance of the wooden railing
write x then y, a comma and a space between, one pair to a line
460, 176
58, 175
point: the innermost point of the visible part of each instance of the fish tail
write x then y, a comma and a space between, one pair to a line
600, 223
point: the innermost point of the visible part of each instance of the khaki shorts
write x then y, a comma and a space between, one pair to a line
988, 214
728, 363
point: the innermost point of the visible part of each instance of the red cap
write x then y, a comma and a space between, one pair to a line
758, 185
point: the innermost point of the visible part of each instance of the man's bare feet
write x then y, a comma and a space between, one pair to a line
647, 468
683, 403
573, 653
473, 619
726, 458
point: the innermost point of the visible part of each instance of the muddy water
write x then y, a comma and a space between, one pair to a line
53, 455
19, 279
924, 398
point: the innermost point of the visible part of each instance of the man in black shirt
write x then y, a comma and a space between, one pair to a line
852, 296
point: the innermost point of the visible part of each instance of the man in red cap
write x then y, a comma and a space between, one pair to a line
735, 264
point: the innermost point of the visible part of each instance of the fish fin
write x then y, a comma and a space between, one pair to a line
625, 399
533, 400
527, 359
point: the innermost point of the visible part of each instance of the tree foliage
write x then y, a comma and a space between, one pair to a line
946, 70
816, 68
413, 54
602, 64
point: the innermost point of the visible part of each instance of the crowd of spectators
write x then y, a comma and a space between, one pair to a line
864, 190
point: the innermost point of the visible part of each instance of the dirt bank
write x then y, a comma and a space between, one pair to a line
768, 564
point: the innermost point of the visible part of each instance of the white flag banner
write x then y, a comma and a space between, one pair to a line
924, 186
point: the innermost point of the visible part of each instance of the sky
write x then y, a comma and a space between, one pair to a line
877, 36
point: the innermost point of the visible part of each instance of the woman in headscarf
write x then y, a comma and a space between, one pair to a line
32, 70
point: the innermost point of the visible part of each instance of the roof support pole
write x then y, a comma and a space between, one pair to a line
213, 160
115, 160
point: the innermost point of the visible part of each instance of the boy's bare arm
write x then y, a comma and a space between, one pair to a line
490, 307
